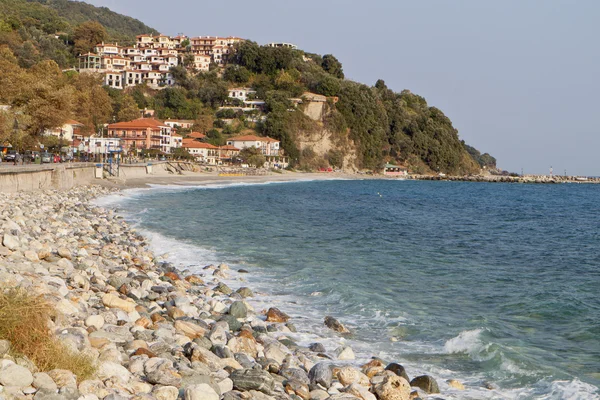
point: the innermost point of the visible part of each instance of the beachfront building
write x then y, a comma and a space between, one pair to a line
268, 146
394, 170
176, 141
227, 154
95, 145
202, 152
142, 134
67, 132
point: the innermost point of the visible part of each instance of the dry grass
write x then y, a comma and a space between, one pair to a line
24, 322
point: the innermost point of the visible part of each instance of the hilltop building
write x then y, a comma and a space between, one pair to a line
151, 58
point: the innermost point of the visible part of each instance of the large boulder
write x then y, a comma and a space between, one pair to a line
320, 374
160, 371
426, 382
16, 375
335, 325
275, 315
253, 379
200, 392
393, 388
238, 309
398, 370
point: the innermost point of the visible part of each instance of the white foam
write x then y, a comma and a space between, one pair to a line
309, 319
468, 342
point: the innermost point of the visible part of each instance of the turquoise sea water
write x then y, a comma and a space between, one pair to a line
492, 284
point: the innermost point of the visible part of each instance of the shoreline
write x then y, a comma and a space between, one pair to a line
152, 328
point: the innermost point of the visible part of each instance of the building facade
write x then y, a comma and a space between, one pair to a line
142, 134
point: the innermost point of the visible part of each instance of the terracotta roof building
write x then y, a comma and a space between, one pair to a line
142, 133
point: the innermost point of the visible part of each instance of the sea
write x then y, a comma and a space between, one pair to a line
494, 285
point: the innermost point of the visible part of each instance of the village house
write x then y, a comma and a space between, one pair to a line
202, 152
394, 170
196, 136
142, 133
270, 148
176, 141
96, 145
227, 154
180, 123
282, 44
267, 145
241, 94
67, 132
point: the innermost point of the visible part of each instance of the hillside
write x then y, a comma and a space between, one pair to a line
119, 27
37, 30
358, 126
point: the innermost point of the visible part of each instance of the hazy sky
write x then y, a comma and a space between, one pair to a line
518, 78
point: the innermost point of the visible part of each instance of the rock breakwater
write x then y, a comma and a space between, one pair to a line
152, 331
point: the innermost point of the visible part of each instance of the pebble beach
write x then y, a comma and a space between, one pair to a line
153, 331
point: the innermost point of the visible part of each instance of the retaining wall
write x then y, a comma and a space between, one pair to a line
65, 176
33, 177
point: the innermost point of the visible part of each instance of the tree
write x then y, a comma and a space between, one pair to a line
253, 157
236, 74
215, 138
128, 110
87, 35
333, 66
92, 106
47, 99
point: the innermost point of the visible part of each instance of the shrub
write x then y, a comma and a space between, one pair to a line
24, 323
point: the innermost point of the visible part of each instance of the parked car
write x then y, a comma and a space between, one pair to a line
30, 155
66, 158
56, 158
11, 155
46, 157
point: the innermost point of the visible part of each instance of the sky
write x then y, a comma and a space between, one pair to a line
518, 78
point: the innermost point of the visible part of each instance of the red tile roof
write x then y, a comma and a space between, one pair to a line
229, 147
197, 145
197, 135
252, 138
140, 123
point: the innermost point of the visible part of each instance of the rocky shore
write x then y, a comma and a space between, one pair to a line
152, 331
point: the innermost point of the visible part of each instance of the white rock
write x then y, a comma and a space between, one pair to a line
66, 307
345, 353
42, 380
226, 385
10, 241
97, 321
108, 369
16, 375
360, 391
165, 393
202, 391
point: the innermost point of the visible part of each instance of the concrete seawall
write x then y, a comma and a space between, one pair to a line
65, 176
58, 176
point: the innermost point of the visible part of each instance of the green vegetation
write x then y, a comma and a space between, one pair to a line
375, 123
484, 160
59, 30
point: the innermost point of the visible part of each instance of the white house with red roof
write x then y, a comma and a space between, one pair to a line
203, 152
67, 132
268, 146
